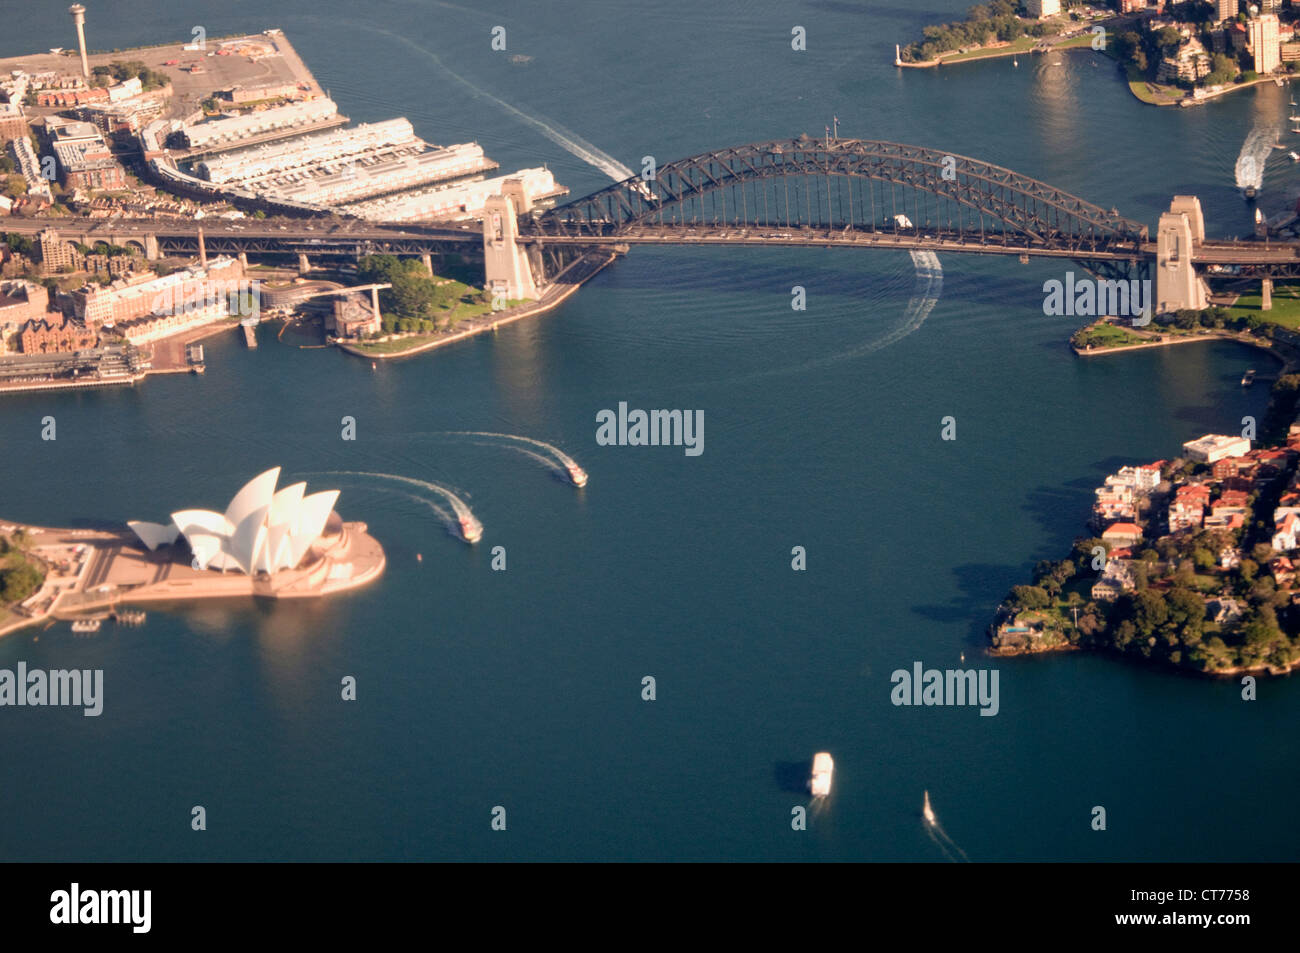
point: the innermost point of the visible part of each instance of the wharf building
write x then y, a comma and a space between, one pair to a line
281, 158
230, 131
465, 201
356, 181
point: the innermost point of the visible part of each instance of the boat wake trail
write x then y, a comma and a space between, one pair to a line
925, 295
547, 462
1249, 169
945, 843
564, 138
464, 523
568, 467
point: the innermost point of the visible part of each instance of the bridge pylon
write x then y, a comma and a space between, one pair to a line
506, 264
1180, 230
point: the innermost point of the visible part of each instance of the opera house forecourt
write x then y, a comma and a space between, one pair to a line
270, 543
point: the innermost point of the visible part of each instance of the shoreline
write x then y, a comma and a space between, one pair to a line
1246, 340
1183, 100
1002, 613
558, 292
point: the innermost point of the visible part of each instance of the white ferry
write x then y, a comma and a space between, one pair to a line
86, 625
822, 769
470, 530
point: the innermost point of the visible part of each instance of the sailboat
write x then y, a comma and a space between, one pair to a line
928, 812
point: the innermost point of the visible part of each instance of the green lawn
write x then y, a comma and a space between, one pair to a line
1022, 45
1285, 311
416, 339
1112, 335
1152, 93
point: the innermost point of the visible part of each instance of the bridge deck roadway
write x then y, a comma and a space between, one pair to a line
324, 238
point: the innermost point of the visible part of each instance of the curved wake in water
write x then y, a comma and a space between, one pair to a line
925, 295
945, 843
461, 508
564, 138
546, 462
567, 461
1249, 169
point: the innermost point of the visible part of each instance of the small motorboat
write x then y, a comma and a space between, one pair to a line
1248, 378
577, 475
927, 811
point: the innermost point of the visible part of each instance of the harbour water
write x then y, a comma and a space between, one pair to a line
523, 688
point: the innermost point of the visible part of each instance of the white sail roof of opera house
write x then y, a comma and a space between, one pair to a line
262, 530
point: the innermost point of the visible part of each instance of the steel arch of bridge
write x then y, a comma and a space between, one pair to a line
779, 184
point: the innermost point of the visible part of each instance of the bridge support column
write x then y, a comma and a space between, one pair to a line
1266, 296
243, 258
1178, 286
151, 247
507, 270
427, 259
304, 266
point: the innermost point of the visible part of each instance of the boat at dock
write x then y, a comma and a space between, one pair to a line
822, 769
86, 625
1248, 378
927, 811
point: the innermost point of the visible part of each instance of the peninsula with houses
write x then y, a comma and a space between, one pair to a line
1190, 563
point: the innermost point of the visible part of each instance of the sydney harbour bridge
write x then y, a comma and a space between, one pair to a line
829, 192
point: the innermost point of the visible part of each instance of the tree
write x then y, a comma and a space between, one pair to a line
1030, 597
1224, 70
19, 582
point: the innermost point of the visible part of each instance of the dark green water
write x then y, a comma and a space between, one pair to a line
522, 688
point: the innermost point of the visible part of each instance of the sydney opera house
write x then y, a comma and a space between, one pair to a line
269, 543
262, 530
